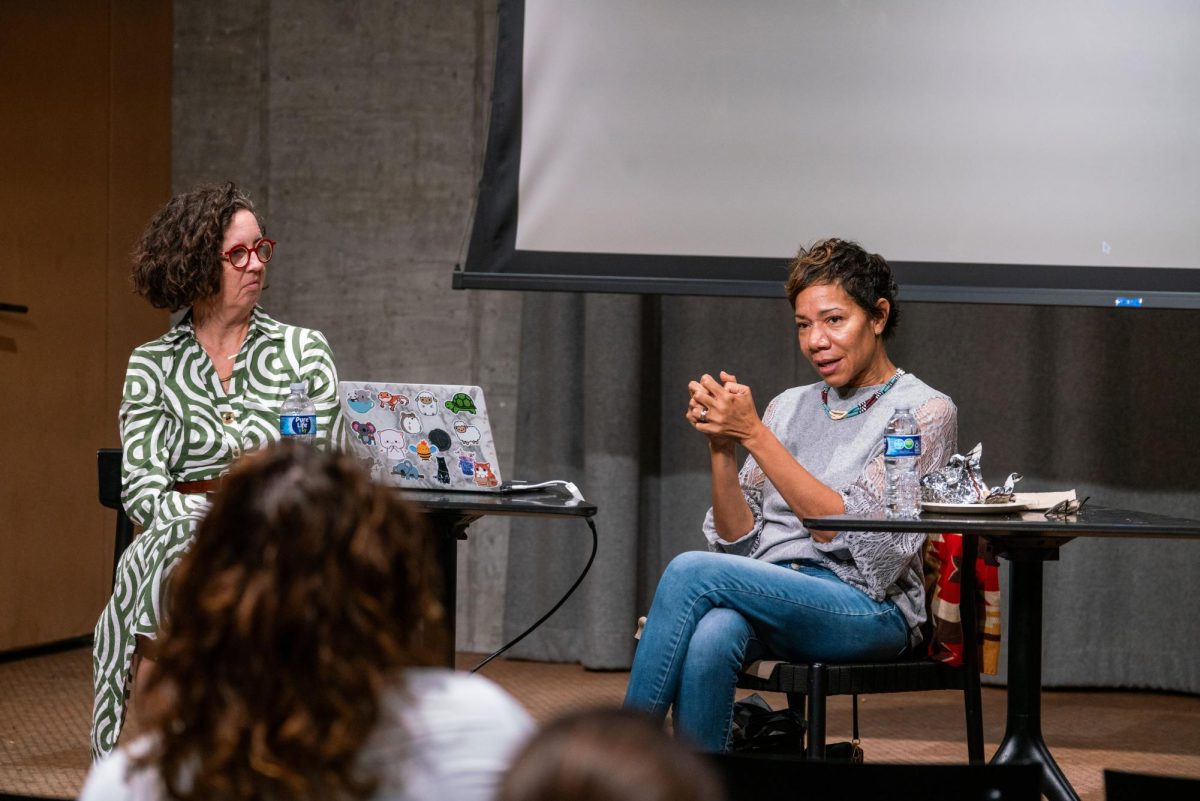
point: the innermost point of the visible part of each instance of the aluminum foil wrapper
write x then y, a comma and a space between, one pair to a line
1003, 494
960, 481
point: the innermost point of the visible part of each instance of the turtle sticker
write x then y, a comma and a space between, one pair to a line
461, 402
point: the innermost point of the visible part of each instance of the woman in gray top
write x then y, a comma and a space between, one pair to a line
818, 450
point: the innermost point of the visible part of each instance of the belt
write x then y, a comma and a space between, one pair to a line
198, 487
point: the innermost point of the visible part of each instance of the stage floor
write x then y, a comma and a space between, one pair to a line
45, 704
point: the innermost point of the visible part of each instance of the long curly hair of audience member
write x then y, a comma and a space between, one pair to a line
608, 755
178, 259
308, 590
865, 277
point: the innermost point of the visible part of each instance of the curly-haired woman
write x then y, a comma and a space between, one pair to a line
302, 667
195, 400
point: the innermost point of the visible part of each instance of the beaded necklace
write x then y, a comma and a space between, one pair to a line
855, 411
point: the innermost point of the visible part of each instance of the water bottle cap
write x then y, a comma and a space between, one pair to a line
300, 386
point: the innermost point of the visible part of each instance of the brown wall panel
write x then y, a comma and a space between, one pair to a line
59, 207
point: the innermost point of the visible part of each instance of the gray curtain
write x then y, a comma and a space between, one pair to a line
1095, 399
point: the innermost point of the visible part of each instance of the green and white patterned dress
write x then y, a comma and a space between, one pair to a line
177, 424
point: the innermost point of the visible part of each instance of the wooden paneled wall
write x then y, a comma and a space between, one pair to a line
84, 161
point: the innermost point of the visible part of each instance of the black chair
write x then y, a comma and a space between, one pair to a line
108, 468
1123, 786
753, 777
814, 682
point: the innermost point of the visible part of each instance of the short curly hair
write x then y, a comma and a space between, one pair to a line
307, 593
865, 277
178, 260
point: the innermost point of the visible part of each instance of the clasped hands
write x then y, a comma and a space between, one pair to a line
722, 410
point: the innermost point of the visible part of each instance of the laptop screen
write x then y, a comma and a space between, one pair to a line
422, 436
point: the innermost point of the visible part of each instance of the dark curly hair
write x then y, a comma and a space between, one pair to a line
865, 277
608, 755
178, 259
308, 590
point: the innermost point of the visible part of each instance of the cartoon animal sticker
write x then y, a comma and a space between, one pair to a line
423, 450
467, 434
466, 463
365, 432
461, 402
390, 441
390, 400
440, 441
410, 422
406, 470
484, 477
360, 401
427, 404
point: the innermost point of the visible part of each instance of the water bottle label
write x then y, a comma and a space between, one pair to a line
298, 425
903, 444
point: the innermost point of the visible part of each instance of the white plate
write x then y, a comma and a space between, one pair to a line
973, 508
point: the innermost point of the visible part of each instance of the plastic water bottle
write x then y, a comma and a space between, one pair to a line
298, 415
902, 446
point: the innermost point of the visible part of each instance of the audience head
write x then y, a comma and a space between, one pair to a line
178, 259
608, 755
865, 277
307, 591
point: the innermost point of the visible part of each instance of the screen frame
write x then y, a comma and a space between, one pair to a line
494, 262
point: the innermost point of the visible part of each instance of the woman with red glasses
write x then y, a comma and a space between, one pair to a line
195, 399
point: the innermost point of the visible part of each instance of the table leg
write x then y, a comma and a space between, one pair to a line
447, 530
1023, 741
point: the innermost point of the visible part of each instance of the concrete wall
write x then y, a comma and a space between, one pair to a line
358, 128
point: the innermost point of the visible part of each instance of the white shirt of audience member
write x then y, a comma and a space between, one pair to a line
451, 737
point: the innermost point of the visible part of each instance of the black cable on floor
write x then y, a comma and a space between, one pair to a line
561, 601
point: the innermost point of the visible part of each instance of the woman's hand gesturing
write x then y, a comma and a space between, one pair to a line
722, 410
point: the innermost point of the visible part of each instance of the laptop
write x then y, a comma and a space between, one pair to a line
422, 436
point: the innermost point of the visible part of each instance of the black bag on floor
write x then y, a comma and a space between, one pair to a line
761, 730
758, 729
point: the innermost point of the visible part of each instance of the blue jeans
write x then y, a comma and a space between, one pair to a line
714, 612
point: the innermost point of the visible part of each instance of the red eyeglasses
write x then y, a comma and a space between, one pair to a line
239, 255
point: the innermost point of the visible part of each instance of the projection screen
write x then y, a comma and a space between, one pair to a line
1015, 152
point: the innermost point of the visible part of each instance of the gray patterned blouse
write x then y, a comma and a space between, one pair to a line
846, 455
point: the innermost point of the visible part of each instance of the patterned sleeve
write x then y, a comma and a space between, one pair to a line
318, 369
149, 438
751, 478
881, 557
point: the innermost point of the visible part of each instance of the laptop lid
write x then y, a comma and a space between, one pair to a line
422, 436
